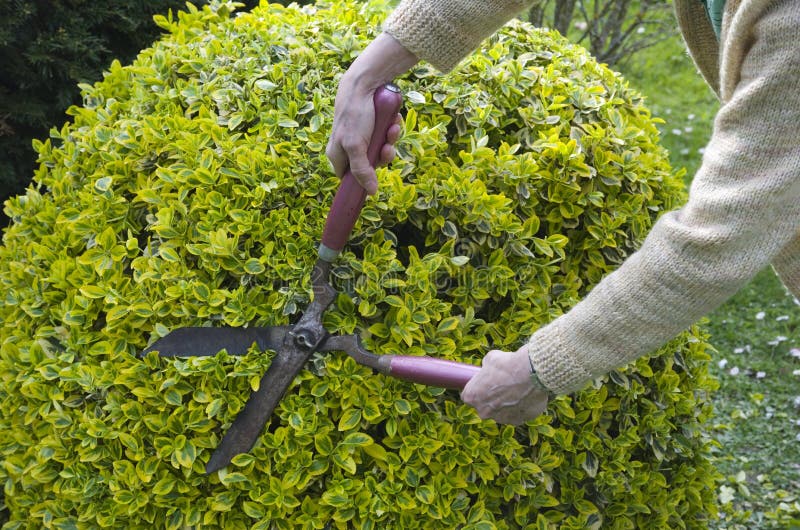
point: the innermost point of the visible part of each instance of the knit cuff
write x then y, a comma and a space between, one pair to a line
558, 368
427, 35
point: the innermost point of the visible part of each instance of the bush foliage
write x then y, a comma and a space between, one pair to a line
191, 190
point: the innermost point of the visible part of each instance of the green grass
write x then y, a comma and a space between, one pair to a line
756, 335
757, 420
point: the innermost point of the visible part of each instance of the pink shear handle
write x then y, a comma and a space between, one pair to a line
431, 371
350, 196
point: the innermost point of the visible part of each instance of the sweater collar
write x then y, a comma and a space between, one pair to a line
700, 39
714, 9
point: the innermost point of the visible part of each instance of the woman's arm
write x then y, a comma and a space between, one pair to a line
354, 115
743, 213
441, 32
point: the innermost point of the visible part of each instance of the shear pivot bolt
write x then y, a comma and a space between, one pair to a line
305, 339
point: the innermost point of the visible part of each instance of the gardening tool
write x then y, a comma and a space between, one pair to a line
294, 344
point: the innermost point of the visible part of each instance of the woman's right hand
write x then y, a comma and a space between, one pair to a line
353, 124
354, 114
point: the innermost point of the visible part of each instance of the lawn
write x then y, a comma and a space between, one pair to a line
755, 335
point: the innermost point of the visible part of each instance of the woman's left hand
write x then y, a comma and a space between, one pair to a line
503, 389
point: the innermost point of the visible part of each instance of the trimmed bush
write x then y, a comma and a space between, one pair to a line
191, 189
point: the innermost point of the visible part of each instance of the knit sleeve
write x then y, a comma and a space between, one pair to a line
442, 32
743, 212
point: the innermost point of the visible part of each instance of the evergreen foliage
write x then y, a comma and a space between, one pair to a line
191, 189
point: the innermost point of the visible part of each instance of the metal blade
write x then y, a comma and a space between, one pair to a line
250, 421
207, 342
352, 346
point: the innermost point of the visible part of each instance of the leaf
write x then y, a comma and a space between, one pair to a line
164, 486
319, 389
394, 301
402, 406
233, 478
376, 451
169, 254
323, 443
173, 397
286, 122
425, 494
265, 85
448, 324
103, 184
117, 312
92, 291
224, 501
585, 507
253, 510
345, 462
254, 266
243, 459
349, 420
591, 464
174, 520
449, 229
356, 439
415, 97
337, 499
186, 454
726, 494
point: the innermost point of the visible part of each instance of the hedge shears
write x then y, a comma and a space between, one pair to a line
294, 344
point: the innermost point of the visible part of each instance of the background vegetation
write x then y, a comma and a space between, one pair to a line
48, 47
612, 30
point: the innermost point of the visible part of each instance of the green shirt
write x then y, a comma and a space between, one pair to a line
714, 10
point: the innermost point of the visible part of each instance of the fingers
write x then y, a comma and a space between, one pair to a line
363, 171
513, 413
337, 157
387, 155
388, 152
476, 391
503, 391
506, 416
393, 133
351, 152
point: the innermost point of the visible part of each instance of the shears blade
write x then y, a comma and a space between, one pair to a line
207, 342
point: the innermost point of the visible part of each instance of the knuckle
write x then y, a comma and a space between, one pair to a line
353, 145
361, 172
491, 357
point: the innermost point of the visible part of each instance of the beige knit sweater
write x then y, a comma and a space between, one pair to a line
743, 211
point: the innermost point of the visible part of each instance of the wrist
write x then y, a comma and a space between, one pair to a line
534, 376
380, 63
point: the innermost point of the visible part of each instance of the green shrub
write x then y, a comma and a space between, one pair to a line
191, 190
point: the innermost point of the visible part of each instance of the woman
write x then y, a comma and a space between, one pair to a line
743, 211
